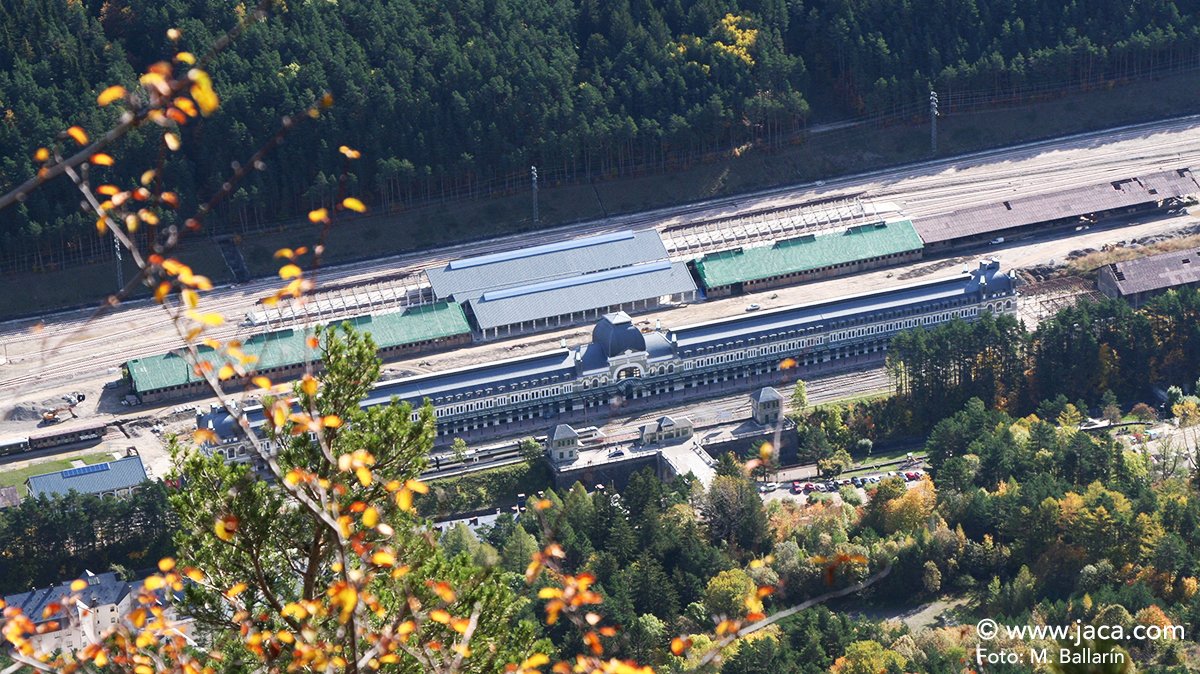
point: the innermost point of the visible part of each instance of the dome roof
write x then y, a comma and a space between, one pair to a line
616, 334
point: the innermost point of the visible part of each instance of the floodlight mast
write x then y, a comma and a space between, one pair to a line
533, 170
933, 115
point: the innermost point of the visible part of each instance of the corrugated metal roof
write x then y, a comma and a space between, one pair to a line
1022, 211
534, 251
1157, 272
285, 348
94, 479
819, 315
586, 292
807, 252
545, 263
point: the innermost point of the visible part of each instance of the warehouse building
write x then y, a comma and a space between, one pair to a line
282, 355
1022, 215
623, 366
565, 283
118, 479
808, 258
1139, 280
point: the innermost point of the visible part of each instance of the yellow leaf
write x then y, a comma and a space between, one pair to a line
186, 105
191, 298
383, 559
172, 141
108, 190
225, 372
185, 57
364, 475
78, 585
236, 590
148, 217
110, 94
309, 385
261, 382
318, 215
101, 659
147, 176
166, 564
202, 92
285, 252
535, 660
279, 415
101, 159
102, 226
221, 531
131, 222
417, 486
354, 205
195, 574
42, 154
460, 625
404, 500
289, 271
440, 616
332, 421
78, 134
370, 517
154, 583
351, 154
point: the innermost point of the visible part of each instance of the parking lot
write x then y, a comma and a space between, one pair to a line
788, 490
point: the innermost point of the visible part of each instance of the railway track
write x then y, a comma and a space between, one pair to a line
69, 346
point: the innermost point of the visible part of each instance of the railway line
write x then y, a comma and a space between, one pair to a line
68, 346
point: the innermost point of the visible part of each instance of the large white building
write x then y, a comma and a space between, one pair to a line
623, 365
101, 605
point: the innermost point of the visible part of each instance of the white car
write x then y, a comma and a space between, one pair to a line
754, 307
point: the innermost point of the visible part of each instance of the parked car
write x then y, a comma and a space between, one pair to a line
796, 487
619, 452
754, 307
874, 479
820, 487
808, 486
856, 481
910, 476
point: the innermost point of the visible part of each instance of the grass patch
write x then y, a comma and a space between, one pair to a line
1103, 258
496, 487
862, 398
17, 477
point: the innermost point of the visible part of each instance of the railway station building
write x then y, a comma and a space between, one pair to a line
1139, 280
810, 257
282, 355
1023, 215
563, 284
626, 368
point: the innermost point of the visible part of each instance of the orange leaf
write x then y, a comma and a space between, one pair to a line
42, 154
440, 616
101, 159
332, 421
261, 382
78, 134
354, 205
318, 215
108, 190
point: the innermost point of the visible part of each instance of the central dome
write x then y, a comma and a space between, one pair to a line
616, 334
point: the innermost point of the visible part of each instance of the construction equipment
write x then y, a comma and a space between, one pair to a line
52, 416
72, 400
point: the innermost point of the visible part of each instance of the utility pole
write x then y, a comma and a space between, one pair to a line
533, 170
933, 115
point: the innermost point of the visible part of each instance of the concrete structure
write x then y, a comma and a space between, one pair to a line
1022, 215
284, 354
564, 283
98, 607
564, 444
1139, 280
766, 405
808, 258
666, 429
118, 479
624, 368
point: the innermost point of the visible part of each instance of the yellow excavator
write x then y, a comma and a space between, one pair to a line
72, 400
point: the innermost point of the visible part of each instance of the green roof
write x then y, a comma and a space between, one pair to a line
807, 252
287, 347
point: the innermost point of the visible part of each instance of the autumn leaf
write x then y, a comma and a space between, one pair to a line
354, 205
289, 271
318, 215
101, 159
78, 134
110, 94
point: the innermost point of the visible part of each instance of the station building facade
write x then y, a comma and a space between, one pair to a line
622, 364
